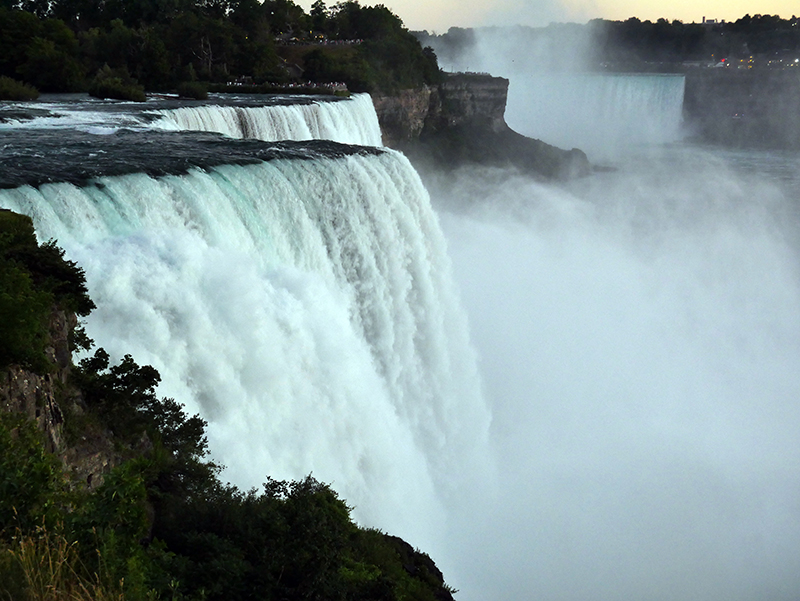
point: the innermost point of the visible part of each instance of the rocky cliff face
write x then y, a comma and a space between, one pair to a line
402, 117
462, 121
459, 99
466, 98
748, 108
43, 398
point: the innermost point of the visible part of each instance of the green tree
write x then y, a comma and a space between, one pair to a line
286, 17
154, 69
319, 17
51, 61
34, 280
17, 31
30, 478
23, 326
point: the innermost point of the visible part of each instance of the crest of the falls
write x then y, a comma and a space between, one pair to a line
351, 121
304, 307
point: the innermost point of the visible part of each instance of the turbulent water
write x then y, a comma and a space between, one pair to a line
630, 430
273, 118
303, 305
352, 122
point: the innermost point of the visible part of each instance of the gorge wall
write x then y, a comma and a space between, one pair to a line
744, 108
462, 121
460, 98
45, 397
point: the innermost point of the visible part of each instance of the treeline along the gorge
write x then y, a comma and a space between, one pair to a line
152, 520
636, 45
66, 45
633, 42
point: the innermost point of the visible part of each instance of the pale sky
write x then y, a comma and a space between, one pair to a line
439, 15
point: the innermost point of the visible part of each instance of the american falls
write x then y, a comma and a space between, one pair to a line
303, 305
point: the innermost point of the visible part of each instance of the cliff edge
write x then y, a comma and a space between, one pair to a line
462, 121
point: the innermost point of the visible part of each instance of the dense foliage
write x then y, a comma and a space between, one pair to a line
162, 525
11, 89
117, 84
34, 280
66, 45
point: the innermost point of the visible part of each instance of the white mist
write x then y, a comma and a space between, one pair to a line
638, 336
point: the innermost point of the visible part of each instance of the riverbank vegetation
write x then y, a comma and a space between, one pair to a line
62, 46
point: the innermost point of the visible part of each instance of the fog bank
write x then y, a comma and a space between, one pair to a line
638, 335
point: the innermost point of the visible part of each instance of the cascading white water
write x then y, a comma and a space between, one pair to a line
556, 94
350, 121
598, 113
304, 307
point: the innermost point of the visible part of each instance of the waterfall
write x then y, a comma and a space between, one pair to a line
347, 121
601, 114
304, 307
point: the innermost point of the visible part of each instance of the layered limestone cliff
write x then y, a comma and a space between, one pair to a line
45, 398
465, 98
402, 116
462, 121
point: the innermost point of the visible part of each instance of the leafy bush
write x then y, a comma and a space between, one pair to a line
192, 89
30, 478
116, 84
124, 396
11, 89
25, 311
34, 280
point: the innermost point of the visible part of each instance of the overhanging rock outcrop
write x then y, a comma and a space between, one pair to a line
402, 116
469, 97
462, 121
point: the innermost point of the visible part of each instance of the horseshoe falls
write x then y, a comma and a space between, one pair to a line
303, 305
603, 114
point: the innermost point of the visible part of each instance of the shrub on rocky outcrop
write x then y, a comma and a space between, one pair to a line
192, 89
116, 84
11, 89
34, 279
